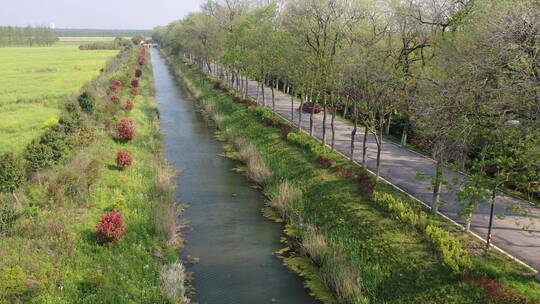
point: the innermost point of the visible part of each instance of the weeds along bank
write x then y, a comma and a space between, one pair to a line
88, 212
365, 242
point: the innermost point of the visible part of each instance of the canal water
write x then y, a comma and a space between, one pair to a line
233, 241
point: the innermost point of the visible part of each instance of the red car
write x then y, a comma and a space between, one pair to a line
310, 106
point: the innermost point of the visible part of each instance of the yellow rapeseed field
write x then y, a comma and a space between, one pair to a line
34, 80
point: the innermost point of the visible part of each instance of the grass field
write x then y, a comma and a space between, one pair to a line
33, 81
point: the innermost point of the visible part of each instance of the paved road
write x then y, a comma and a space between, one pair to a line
517, 234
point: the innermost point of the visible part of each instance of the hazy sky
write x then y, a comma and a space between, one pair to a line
101, 14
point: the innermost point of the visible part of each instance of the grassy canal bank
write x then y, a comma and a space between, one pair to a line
95, 225
365, 242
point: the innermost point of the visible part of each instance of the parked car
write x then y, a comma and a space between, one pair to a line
308, 107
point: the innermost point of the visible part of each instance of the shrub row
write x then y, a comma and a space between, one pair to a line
142, 56
450, 249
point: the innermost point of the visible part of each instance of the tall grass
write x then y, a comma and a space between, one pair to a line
336, 271
173, 280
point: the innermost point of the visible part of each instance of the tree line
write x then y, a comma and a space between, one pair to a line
62, 32
27, 36
460, 78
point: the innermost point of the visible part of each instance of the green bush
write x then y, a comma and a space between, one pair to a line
401, 210
306, 142
12, 282
12, 174
452, 253
70, 122
58, 142
86, 102
8, 215
38, 156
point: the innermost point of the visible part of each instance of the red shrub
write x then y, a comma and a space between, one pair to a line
135, 83
344, 171
129, 105
116, 85
138, 73
142, 56
499, 293
325, 162
250, 102
216, 85
365, 184
111, 227
123, 159
135, 91
125, 129
114, 97
285, 129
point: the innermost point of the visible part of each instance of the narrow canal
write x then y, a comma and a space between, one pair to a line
233, 241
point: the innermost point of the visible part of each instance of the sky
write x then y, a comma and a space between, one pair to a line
98, 14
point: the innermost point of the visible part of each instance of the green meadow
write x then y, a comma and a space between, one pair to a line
34, 80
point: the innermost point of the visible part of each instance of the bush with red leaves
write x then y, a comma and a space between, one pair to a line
116, 85
250, 102
123, 159
135, 91
135, 83
499, 293
114, 97
142, 56
285, 130
216, 85
138, 73
129, 105
125, 130
323, 161
365, 184
344, 172
111, 227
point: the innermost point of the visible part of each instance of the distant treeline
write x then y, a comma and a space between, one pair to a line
100, 33
116, 44
26, 36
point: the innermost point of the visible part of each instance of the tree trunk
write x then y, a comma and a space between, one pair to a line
332, 126
257, 99
388, 123
300, 111
273, 99
437, 184
311, 115
355, 129
247, 87
323, 141
292, 106
468, 221
404, 134
345, 109
262, 92
378, 139
364, 148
